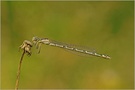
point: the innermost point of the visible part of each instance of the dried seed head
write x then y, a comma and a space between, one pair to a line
26, 46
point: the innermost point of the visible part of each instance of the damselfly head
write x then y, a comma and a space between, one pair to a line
35, 39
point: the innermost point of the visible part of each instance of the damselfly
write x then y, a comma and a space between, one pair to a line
38, 41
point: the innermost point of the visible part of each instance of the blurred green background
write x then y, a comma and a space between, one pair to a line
108, 27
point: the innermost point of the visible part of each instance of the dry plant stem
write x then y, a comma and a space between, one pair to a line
26, 47
19, 71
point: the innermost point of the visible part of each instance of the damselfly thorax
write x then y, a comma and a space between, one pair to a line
38, 41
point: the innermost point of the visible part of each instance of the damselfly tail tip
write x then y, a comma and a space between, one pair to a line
108, 57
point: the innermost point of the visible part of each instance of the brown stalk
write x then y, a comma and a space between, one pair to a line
26, 47
19, 71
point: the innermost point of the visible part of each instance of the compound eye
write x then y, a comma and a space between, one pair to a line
35, 39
